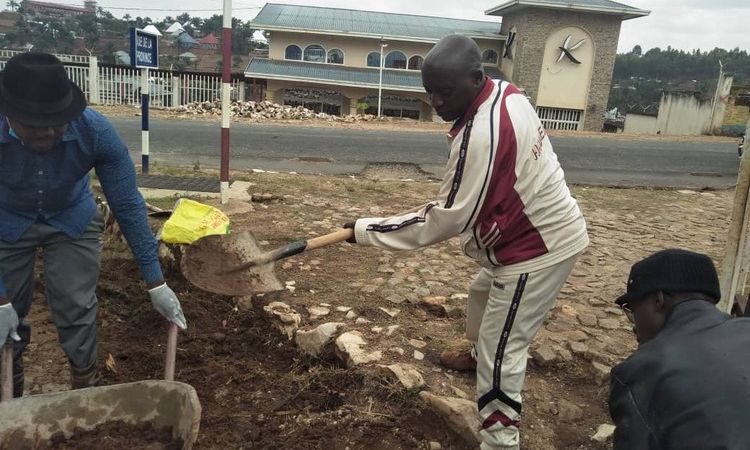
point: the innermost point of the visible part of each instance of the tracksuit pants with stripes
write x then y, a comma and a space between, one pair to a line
504, 313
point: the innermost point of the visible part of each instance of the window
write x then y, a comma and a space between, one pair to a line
315, 53
489, 57
373, 59
335, 56
395, 60
293, 52
415, 62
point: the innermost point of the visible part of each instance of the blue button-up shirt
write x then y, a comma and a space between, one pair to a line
54, 187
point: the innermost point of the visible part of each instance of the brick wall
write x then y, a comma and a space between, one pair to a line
535, 26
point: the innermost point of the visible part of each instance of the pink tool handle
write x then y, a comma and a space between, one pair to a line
6, 376
171, 352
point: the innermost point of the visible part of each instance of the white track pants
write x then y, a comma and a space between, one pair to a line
504, 313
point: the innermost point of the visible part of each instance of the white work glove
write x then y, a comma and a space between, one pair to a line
8, 323
165, 301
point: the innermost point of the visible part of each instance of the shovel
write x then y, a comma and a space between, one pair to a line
234, 264
6, 376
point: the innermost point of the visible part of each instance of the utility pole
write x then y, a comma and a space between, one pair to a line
383, 45
226, 92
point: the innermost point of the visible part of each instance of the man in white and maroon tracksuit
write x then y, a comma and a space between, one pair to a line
504, 194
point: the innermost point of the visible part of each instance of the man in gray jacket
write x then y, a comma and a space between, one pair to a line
688, 384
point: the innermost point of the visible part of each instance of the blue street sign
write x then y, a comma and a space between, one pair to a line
144, 49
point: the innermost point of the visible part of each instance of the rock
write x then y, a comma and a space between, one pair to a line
398, 350
284, 317
392, 312
391, 329
386, 269
287, 265
459, 414
601, 373
564, 354
544, 356
578, 348
459, 296
609, 324
238, 190
434, 305
454, 312
458, 392
568, 411
406, 374
361, 320
351, 315
435, 445
349, 350
576, 336
419, 356
395, 298
344, 309
416, 343
316, 312
604, 433
376, 329
313, 342
588, 320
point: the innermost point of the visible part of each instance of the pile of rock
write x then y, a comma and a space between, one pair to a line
266, 110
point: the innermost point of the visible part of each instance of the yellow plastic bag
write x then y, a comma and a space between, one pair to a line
191, 221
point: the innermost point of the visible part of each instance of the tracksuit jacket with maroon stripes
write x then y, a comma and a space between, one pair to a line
503, 193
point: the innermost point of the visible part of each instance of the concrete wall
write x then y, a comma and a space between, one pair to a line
534, 27
640, 124
682, 113
355, 49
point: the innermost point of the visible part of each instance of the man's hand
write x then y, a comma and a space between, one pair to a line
8, 322
165, 301
350, 225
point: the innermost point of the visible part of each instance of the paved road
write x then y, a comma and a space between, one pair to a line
586, 160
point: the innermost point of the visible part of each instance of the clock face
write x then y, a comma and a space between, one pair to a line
568, 50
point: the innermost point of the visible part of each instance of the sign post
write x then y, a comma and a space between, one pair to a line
144, 54
226, 90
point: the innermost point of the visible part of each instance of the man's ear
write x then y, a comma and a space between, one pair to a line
478, 77
660, 303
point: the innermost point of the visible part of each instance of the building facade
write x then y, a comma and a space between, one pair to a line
57, 10
329, 59
560, 52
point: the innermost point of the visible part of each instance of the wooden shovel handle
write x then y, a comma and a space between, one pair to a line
331, 238
171, 352
6, 376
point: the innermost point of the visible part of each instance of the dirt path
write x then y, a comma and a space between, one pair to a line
258, 391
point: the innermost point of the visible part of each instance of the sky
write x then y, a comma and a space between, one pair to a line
683, 24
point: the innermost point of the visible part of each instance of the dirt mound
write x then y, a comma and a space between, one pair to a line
116, 436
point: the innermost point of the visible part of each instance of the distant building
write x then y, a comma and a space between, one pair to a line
56, 10
209, 42
561, 53
328, 59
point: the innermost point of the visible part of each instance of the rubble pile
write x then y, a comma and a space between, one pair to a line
266, 110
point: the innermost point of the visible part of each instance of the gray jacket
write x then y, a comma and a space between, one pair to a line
689, 387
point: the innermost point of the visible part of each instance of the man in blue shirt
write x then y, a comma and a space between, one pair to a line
49, 142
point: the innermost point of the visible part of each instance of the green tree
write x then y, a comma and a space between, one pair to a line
13, 5
637, 50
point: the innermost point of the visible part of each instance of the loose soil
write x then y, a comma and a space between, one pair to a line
118, 436
258, 392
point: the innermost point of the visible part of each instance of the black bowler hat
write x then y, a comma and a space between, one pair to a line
35, 90
674, 271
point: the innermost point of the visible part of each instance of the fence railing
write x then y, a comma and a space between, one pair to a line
76, 59
121, 85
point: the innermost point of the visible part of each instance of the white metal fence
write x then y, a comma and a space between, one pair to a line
121, 85
560, 118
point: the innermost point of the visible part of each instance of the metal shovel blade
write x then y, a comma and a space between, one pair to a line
207, 262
